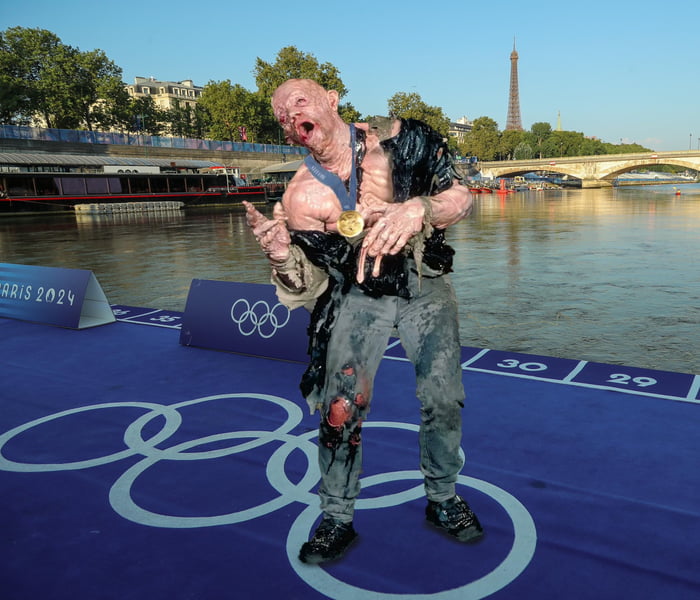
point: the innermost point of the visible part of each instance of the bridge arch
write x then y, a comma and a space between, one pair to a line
613, 172
593, 171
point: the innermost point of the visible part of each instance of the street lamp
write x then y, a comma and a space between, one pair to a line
690, 142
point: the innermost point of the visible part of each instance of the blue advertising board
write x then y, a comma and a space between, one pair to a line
245, 318
63, 297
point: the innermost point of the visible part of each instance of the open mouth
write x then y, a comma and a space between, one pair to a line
304, 130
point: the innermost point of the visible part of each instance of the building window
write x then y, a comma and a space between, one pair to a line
145, 90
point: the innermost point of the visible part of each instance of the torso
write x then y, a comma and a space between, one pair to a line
311, 205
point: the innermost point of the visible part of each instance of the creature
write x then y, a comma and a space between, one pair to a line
359, 239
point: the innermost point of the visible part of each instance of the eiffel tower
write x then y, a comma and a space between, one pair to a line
513, 120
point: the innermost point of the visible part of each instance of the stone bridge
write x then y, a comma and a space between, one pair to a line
593, 171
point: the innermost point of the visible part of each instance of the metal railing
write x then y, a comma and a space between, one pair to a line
19, 132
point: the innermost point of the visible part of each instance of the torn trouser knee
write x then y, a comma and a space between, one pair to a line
340, 443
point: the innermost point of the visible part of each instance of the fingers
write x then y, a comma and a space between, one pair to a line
264, 226
271, 234
377, 266
361, 265
362, 259
400, 242
253, 216
376, 237
384, 238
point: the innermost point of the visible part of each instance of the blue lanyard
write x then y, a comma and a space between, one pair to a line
347, 200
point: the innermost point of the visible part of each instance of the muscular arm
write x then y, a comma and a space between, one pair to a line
309, 205
450, 206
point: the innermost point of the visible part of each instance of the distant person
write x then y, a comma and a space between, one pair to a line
359, 237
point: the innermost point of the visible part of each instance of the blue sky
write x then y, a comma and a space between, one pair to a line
619, 70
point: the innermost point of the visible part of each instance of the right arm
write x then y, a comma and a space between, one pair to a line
296, 279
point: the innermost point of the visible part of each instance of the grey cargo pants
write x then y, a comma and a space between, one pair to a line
429, 332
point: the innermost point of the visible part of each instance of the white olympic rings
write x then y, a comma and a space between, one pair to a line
259, 317
120, 494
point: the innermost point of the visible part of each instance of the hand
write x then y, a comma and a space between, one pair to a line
272, 234
390, 233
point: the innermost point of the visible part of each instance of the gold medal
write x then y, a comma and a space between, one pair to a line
350, 223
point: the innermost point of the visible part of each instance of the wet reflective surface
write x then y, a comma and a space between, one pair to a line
604, 275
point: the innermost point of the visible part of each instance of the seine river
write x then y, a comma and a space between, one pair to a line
602, 275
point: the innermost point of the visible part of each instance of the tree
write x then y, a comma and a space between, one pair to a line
52, 81
509, 140
179, 119
590, 147
536, 138
145, 117
93, 77
232, 107
411, 106
523, 151
113, 109
349, 113
482, 140
291, 63
23, 54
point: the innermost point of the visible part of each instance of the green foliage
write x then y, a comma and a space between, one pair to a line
411, 106
523, 151
509, 141
291, 63
52, 81
231, 107
23, 56
349, 113
145, 116
482, 140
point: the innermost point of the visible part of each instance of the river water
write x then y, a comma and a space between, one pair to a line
607, 275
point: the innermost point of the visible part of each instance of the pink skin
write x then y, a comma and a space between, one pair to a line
309, 117
272, 234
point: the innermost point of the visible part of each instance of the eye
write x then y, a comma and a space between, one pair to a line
300, 101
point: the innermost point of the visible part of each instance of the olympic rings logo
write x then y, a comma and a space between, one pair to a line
259, 317
170, 418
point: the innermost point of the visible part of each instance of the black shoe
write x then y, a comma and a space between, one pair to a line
456, 518
330, 541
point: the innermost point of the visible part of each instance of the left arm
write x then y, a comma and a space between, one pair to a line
401, 221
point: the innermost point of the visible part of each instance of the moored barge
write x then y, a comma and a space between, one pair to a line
42, 191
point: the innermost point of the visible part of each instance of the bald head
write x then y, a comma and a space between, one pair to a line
307, 112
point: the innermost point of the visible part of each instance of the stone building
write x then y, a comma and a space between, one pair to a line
166, 94
459, 129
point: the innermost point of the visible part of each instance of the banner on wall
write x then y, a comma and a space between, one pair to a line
69, 298
246, 318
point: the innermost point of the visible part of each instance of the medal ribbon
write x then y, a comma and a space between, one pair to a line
348, 201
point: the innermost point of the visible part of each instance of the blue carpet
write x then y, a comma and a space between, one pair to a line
133, 467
